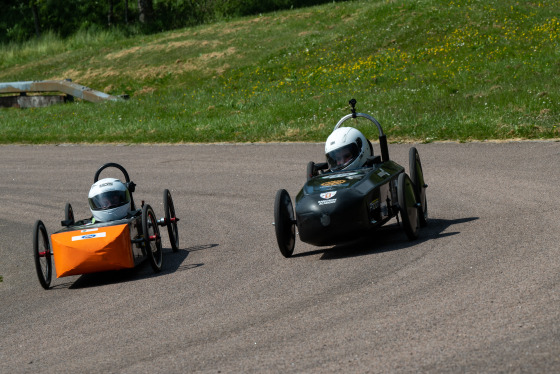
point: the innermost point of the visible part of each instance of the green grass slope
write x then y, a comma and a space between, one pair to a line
428, 70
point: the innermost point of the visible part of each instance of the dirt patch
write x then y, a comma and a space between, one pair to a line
146, 72
165, 47
176, 35
124, 52
215, 55
110, 88
208, 63
222, 69
88, 75
291, 133
144, 90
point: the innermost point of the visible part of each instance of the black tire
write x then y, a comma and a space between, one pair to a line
42, 254
408, 207
152, 238
69, 214
284, 223
171, 220
417, 176
311, 172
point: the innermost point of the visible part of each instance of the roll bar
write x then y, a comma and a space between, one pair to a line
129, 184
382, 137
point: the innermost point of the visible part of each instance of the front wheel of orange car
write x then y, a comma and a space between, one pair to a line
42, 254
152, 238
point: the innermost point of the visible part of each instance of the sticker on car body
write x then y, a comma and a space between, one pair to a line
89, 236
382, 173
327, 195
90, 230
333, 183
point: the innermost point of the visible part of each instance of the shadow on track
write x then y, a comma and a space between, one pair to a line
387, 238
172, 262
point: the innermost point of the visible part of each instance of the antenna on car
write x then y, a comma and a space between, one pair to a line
352, 103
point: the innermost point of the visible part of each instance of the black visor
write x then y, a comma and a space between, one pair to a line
109, 200
343, 156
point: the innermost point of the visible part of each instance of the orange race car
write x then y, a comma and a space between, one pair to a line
117, 236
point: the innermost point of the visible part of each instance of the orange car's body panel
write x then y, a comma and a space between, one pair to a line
92, 250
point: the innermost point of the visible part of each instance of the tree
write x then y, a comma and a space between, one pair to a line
110, 14
126, 12
36, 22
145, 11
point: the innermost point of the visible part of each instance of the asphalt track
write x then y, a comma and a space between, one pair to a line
479, 291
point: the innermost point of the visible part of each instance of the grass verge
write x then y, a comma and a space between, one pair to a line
427, 70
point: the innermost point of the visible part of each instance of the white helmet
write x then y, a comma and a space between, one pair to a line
109, 200
347, 148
